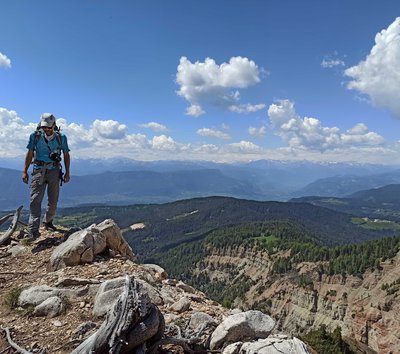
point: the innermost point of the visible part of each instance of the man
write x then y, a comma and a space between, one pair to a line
45, 147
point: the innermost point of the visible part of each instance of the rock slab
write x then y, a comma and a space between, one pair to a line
249, 325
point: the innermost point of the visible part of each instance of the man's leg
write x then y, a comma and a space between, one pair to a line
53, 190
37, 193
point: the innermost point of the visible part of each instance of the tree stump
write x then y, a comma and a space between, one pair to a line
133, 325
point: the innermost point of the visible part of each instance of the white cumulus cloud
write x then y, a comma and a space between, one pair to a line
157, 127
213, 133
306, 138
207, 83
194, 110
244, 146
378, 76
309, 133
259, 132
4, 61
109, 129
14, 133
165, 143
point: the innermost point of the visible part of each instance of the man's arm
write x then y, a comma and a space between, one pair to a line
28, 160
67, 161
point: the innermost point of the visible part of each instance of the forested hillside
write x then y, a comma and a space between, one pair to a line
287, 245
166, 226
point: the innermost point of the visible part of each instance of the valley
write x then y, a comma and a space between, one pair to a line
312, 263
305, 264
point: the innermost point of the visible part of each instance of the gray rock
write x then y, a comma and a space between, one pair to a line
181, 305
167, 295
185, 287
51, 307
233, 348
106, 295
35, 295
154, 294
160, 273
275, 345
82, 246
110, 290
246, 325
201, 320
17, 250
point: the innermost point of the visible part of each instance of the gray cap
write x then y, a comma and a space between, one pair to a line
47, 120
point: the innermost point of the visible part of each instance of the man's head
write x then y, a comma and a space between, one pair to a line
47, 120
47, 123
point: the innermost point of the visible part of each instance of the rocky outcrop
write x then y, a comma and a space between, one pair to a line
97, 311
250, 324
83, 246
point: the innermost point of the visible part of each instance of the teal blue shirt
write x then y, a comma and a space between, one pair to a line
43, 149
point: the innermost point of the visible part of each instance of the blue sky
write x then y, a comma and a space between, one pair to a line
209, 80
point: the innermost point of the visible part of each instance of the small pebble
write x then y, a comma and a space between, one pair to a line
56, 323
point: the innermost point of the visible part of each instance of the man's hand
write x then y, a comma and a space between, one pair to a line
66, 178
25, 177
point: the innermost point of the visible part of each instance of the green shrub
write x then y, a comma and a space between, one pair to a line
11, 299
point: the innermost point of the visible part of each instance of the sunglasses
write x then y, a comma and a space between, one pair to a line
47, 128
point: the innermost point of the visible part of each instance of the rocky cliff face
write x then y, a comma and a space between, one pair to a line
367, 308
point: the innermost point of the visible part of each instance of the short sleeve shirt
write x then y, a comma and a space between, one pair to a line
44, 148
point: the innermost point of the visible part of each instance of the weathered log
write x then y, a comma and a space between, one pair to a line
12, 227
13, 344
129, 324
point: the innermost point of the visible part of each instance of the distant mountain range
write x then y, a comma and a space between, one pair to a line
340, 186
123, 181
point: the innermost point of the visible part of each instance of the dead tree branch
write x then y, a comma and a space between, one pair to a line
13, 344
13, 226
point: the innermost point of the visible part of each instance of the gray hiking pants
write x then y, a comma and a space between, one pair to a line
51, 180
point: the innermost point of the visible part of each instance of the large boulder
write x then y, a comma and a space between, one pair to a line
248, 325
82, 246
110, 290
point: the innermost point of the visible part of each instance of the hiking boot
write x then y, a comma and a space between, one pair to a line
49, 226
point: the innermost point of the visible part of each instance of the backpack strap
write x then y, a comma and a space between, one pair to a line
59, 141
38, 134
